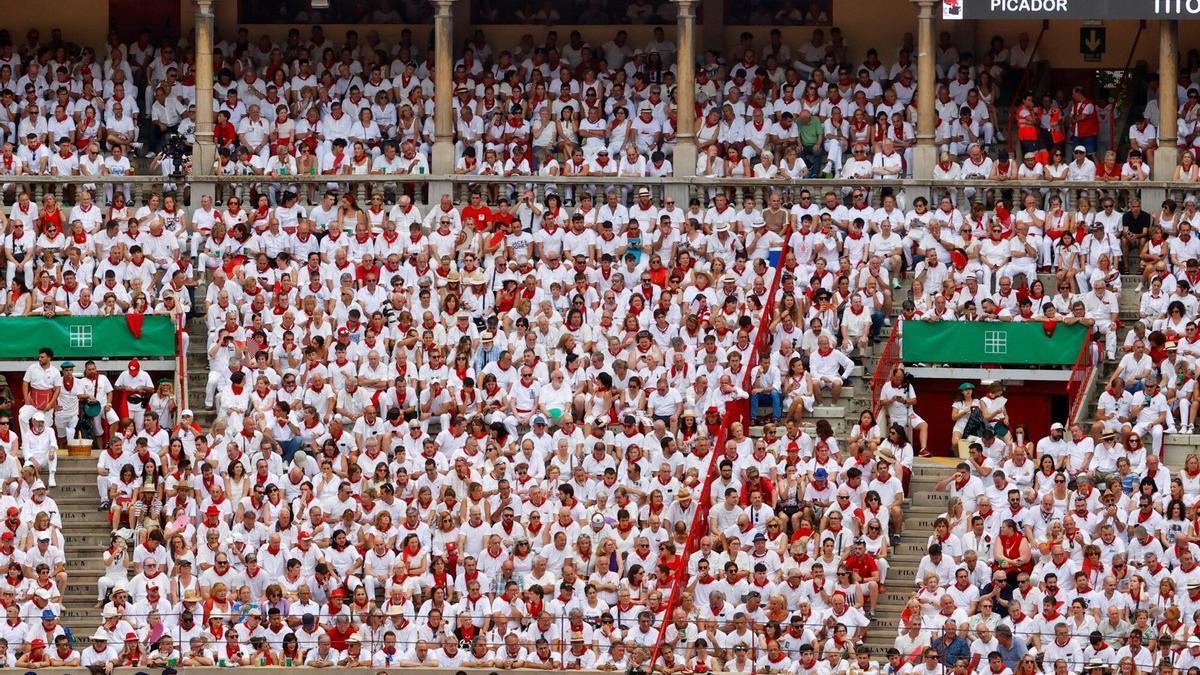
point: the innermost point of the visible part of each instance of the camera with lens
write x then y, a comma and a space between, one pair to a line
175, 148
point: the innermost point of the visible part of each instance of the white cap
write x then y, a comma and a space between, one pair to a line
38, 417
186, 413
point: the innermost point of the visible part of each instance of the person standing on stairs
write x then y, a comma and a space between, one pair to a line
66, 416
40, 389
900, 398
41, 447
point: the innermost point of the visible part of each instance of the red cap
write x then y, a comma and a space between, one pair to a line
212, 510
304, 536
14, 511
338, 593
713, 408
131, 636
38, 643
7, 536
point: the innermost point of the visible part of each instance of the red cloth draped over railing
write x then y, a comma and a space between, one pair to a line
735, 411
1081, 373
888, 359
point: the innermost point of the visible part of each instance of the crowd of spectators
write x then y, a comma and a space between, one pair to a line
1066, 554
475, 444
556, 105
476, 434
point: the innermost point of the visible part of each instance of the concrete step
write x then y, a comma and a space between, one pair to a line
80, 487
88, 540
84, 518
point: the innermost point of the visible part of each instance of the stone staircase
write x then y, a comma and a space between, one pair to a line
922, 507
87, 534
197, 376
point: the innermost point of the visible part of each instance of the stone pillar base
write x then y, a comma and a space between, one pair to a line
925, 157
202, 188
684, 160
204, 154
1165, 160
681, 194
442, 161
437, 188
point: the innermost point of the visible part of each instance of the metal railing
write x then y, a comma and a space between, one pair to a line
889, 358
571, 187
1025, 82
1081, 376
735, 411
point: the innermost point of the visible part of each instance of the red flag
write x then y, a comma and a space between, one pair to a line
134, 321
1003, 214
232, 264
121, 404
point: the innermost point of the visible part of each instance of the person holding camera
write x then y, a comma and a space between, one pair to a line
116, 569
900, 398
137, 386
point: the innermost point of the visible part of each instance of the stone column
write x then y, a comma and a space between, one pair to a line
1167, 154
443, 116
684, 160
204, 150
925, 154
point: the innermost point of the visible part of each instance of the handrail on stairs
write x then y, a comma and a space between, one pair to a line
1026, 81
888, 360
1081, 375
735, 411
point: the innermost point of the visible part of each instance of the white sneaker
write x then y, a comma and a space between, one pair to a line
1186, 429
1138, 289
52, 481
1171, 430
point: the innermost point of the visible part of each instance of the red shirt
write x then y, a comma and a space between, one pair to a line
863, 566
338, 638
226, 134
502, 219
764, 485
480, 216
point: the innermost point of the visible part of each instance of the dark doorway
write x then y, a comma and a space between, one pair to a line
129, 17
